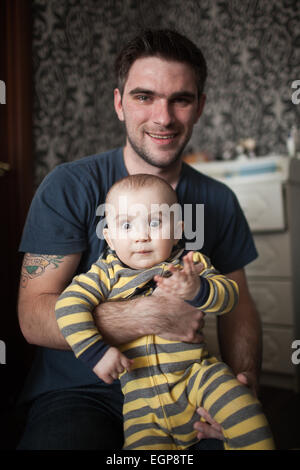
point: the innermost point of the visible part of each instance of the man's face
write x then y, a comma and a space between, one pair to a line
160, 106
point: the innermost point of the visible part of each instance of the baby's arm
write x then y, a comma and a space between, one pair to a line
212, 292
74, 309
111, 365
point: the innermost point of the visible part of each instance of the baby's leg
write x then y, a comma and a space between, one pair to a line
144, 430
233, 406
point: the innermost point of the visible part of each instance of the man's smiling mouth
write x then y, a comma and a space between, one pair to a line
162, 136
162, 139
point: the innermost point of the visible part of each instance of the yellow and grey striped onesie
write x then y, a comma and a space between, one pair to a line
169, 379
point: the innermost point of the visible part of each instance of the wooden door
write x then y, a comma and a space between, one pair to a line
16, 182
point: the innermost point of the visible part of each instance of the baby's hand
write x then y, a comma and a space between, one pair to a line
111, 365
184, 283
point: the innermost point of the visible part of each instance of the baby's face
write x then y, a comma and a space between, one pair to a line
142, 226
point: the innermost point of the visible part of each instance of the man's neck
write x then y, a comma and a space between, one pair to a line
135, 164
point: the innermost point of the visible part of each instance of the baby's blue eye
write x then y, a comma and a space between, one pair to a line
125, 226
154, 223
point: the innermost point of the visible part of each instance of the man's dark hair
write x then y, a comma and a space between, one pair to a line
165, 43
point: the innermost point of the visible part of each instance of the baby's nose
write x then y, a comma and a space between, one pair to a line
142, 233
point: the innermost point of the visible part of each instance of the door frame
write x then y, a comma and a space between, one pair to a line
16, 191
16, 134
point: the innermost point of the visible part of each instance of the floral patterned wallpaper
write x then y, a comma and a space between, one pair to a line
252, 48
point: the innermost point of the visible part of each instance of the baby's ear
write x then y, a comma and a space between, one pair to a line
108, 239
178, 231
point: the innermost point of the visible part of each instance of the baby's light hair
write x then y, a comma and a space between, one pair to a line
140, 181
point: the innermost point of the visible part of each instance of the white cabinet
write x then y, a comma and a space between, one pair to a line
262, 204
268, 189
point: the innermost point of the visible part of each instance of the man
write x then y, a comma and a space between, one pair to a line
159, 98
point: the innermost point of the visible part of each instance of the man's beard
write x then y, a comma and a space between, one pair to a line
148, 158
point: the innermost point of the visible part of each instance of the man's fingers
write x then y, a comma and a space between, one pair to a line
248, 379
206, 431
193, 337
204, 414
242, 377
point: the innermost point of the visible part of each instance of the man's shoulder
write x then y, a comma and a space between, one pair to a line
95, 162
193, 173
206, 185
89, 172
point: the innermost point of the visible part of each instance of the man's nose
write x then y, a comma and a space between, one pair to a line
162, 113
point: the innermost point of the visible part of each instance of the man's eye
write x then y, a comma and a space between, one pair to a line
182, 101
142, 98
125, 226
154, 223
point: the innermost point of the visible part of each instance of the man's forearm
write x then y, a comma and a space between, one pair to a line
38, 322
240, 334
119, 324
169, 317
241, 340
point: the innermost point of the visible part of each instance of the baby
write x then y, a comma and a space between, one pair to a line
163, 381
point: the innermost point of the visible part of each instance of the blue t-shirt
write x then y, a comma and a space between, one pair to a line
65, 218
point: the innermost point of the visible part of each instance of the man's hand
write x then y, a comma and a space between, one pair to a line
249, 379
179, 320
209, 428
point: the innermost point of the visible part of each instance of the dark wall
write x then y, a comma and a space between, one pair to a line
253, 53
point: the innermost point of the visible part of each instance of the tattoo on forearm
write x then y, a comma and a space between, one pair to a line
35, 266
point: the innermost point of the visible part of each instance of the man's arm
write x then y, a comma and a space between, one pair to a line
43, 279
240, 335
166, 316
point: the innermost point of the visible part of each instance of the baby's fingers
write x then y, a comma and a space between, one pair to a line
163, 282
190, 267
188, 264
198, 268
126, 363
158, 279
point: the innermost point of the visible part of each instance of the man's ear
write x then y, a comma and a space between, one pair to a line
108, 239
118, 104
178, 231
